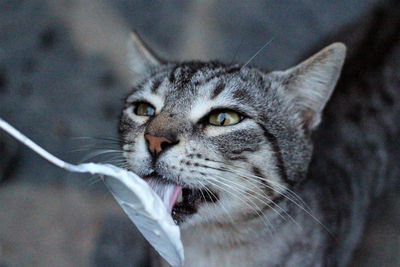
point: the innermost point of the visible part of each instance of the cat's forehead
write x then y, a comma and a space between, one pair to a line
199, 86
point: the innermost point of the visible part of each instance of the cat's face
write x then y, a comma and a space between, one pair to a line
220, 143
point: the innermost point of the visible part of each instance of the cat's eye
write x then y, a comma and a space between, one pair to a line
224, 118
144, 109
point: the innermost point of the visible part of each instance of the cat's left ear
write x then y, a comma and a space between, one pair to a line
310, 84
140, 57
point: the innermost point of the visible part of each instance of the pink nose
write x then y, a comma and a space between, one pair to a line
156, 143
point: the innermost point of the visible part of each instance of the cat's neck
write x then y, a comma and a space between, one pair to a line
247, 242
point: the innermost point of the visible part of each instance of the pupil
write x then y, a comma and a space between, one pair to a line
149, 111
222, 118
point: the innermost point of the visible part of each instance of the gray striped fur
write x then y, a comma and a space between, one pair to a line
255, 165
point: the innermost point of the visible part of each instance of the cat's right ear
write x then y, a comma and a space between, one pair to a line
140, 57
309, 85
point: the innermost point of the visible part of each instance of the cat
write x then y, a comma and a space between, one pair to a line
243, 162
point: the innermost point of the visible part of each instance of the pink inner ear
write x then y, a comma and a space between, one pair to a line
310, 119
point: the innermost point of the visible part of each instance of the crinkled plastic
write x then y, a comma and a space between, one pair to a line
142, 205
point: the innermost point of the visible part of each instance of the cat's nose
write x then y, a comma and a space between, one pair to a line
157, 144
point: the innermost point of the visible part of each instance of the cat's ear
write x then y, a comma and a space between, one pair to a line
311, 83
140, 57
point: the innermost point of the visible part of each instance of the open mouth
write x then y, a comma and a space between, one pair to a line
182, 202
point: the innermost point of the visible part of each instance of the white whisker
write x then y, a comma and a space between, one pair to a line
277, 184
259, 50
266, 203
208, 191
308, 212
258, 210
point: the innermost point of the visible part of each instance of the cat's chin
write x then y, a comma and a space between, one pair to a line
181, 201
190, 202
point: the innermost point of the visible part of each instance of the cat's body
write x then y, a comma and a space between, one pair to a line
250, 198
250, 243
356, 148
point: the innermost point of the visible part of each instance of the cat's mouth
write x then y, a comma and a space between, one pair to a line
180, 200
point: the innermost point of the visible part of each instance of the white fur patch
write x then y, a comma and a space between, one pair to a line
202, 105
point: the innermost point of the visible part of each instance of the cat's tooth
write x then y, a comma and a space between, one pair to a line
180, 198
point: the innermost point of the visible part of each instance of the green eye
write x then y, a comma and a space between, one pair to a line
224, 118
144, 109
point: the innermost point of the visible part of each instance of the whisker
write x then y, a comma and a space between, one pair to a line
302, 208
257, 179
263, 202
111, 139
90, 147
277, 184
93, 181
267, 204
208, 191
307, 209
258, 211
101, 152
259, 50
310, 214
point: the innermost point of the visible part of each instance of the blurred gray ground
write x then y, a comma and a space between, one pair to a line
52, 89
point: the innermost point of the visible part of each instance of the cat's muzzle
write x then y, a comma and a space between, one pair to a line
181, 201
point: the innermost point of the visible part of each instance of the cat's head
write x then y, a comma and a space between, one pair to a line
218, 141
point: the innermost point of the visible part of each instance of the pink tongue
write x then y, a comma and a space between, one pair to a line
168, 193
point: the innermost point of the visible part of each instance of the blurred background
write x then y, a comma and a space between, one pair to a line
63, 81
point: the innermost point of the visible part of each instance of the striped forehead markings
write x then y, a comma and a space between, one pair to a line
156, 84
278, 153
183, 73
172, 77
219, 74
217, 90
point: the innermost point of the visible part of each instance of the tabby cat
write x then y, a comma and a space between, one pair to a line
228, 148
